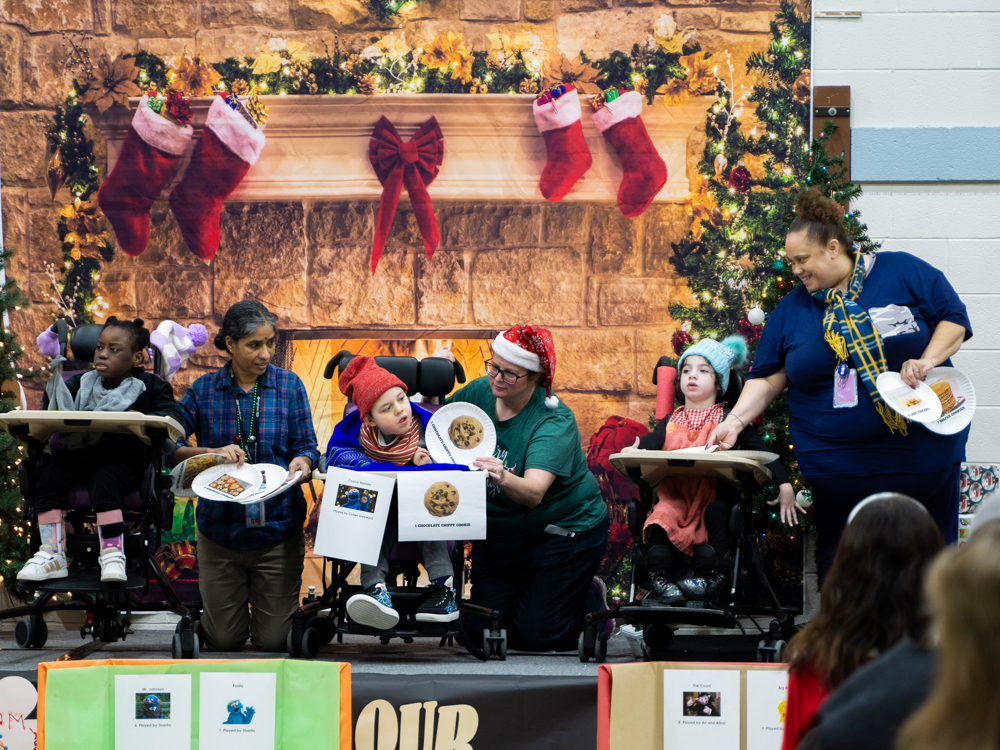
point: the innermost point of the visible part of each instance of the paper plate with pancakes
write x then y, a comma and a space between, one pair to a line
958, 400
459, 433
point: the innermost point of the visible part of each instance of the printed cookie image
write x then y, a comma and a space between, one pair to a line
229, 485
441, 499
466, 432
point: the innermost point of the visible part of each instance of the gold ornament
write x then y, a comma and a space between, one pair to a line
528, 86
367, 84
113, 81
802, 88
55, 174
721, 162
86, 229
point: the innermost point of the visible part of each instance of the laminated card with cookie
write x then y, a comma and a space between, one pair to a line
387, 432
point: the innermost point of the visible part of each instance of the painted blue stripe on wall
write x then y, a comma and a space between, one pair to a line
925, 154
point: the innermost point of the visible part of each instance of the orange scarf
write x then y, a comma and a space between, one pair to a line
400, 452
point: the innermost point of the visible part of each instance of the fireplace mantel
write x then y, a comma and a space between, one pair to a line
317, 146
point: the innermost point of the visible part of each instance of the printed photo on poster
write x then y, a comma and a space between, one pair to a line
701, 708
237, 710
351, 525
356, 498
767, 695
702, 704
441, 505
153, 712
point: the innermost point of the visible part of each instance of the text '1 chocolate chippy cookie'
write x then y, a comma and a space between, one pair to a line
441, 499
466, 432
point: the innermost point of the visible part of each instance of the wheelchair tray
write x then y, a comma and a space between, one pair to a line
654, 466
40, 425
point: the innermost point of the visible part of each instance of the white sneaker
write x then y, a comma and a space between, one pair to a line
112, 564
373, 607
43, 565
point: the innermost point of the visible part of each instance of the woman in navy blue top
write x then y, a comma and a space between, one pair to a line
849, 448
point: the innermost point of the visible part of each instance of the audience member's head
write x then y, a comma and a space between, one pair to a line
963, 710
871, 598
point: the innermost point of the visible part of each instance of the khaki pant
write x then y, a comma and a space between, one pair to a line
267, 579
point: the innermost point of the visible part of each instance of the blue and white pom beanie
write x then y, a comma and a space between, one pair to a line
723, 356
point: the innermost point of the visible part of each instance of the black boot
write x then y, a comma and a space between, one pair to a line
662, 591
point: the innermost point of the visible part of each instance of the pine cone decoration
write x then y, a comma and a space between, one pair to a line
528, 86
239, 87
367, 84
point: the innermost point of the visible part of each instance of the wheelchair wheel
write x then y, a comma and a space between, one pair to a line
310, 643
582, 651
24, 633
657, 637
176, 651
324, 628
502, 646
601, 646
770, 654
495, 645
294, 649
40, 631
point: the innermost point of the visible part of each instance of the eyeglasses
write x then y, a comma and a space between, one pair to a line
508, 377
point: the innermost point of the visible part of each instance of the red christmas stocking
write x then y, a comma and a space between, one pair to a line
568, 157
148, 159
229, 146
644, 172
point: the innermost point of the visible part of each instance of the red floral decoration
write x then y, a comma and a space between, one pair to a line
680, 342
179, 107
619, 538
614, 434
749, 331
740, 178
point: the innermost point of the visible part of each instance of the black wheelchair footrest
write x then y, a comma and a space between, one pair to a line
85, 582
708, 616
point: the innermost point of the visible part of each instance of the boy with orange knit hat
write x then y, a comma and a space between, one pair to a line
386, 431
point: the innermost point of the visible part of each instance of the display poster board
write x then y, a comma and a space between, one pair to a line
441, 505
95, 704
353, 515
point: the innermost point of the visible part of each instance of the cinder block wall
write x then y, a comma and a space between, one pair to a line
924, 118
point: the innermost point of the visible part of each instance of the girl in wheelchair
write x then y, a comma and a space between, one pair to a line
695, 510
111, 465
386, 429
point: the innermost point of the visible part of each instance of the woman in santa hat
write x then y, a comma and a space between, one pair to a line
547, 523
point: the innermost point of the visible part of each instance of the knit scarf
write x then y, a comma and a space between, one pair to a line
399, 452
848, 329
91, 396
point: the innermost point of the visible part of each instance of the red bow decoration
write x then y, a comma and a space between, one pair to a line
414, 164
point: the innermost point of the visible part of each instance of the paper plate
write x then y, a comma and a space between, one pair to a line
227, 483
958, 400
272, 476
459, 433
919, 405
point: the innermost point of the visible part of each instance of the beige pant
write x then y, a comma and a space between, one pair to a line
267, 579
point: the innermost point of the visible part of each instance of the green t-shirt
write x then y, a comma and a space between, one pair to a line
538, 438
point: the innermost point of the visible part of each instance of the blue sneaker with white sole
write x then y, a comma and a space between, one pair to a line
373, 608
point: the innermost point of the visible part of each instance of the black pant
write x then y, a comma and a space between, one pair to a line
716, 524
539, 586
835, 497
109, 476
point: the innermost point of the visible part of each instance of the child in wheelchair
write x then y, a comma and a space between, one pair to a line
110, 464
386, 430
691, 510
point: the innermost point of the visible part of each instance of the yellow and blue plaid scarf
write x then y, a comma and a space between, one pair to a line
848, 329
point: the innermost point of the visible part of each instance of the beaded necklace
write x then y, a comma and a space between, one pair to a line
246, 439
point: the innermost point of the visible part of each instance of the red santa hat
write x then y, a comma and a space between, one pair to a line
364, 382
531, 348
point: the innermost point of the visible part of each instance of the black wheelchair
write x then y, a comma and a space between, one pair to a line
148, 511
742, 566
322, 618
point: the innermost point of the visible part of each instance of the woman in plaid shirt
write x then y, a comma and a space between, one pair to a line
250, 410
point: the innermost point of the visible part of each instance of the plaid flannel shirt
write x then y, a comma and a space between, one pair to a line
285, 431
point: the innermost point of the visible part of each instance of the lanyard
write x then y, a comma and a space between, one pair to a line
247, 439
